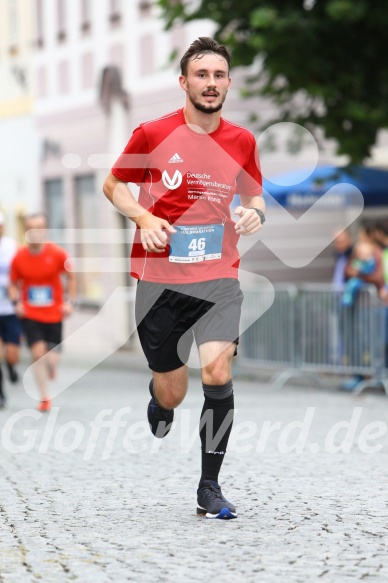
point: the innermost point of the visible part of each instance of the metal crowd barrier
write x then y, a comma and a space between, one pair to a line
310, 330
271, 341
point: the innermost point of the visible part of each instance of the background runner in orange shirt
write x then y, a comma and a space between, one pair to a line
37, 292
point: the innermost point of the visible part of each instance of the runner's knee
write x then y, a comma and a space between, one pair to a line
170, 388
218, 372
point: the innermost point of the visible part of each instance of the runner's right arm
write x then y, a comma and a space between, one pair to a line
14, 294
152, 228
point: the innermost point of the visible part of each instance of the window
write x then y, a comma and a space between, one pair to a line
86, 201
145, 8
89, 281
39, 31
41, 82
13, 25
178, 40
63, 77
85, 16
87, 73
147, 55
61, 21
54, 202
116, 56
115, 12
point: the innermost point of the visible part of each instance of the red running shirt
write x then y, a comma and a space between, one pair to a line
189, 179
40, 278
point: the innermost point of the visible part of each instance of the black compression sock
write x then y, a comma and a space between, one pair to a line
2, 396
13, 375
215, 427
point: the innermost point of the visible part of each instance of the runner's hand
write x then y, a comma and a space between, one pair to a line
19, 310
249, 222
383, 293
153, 232
67, 309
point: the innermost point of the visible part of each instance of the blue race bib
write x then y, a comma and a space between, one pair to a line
40, 296
195, 243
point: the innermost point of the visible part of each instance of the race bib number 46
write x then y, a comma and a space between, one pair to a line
192, 244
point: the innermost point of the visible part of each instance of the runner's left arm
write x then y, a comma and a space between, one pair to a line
71, 291
14, 294
249, 221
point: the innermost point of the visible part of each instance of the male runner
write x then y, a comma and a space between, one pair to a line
10, 330
37, 291
189, 164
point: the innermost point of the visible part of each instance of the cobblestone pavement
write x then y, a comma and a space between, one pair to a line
83, 503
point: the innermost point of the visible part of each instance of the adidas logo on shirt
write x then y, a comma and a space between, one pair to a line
175, 159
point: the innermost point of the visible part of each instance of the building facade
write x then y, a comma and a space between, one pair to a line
19, 144
100, 68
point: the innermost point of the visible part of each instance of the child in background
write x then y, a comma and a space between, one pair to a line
382, 233
364, 263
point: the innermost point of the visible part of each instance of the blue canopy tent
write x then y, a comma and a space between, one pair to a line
293, 191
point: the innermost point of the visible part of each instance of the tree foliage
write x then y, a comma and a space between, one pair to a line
323, 62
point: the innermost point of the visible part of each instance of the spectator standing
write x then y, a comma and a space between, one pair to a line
363, 263
343, 248
367, 234
382, 234
360, 273
382, 237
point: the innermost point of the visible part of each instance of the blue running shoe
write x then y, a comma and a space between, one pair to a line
212, 503
352, 383
159, 419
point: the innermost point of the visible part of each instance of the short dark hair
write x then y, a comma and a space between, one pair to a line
204, 45
36, 215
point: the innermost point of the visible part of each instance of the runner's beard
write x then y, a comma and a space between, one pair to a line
207, 108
